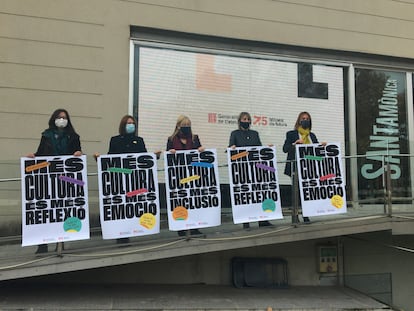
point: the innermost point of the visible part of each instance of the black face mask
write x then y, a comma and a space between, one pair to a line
305, 124
186, 130
244, 125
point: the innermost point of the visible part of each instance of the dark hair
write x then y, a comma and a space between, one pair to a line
122, 124
297, 124
55, 115
241, 115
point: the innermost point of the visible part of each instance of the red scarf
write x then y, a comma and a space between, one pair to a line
179, 145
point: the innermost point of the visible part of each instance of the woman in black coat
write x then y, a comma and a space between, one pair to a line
300, 135
244, 136
127, 141
60, 138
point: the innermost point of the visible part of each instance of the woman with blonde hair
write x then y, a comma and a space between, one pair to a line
184, 139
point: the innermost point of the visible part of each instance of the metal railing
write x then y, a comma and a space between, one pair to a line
11, 210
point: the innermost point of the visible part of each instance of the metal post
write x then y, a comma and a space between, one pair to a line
59, 248
341, 267
295, 194
389, 190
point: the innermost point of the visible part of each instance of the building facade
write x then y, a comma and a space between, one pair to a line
349, 63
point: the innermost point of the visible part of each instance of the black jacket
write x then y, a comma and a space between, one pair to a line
126, 144
290, 149
47, 147
248, 138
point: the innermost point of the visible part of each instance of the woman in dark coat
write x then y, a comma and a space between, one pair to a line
301, 134
244, 136
127, 142
60, 138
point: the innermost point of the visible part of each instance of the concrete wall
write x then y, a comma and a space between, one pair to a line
367, 261
210, 268
377, 253
75, 54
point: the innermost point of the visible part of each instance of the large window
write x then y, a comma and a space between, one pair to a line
212, 88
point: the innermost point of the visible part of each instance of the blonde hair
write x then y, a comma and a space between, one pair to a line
180, 121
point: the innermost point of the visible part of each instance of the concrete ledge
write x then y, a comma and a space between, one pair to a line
182, 297
95, 253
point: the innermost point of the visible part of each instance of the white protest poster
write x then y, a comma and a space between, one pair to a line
192, 189
54, 199
254, 186
321, 179
128, 195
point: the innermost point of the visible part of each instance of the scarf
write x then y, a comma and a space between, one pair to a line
304, 134
59, 140
178, 144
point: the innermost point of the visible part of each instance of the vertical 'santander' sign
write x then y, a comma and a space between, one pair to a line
321, 179
128, 195
54, 199
254, 187
192, 189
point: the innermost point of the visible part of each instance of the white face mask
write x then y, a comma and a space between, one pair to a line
61, 123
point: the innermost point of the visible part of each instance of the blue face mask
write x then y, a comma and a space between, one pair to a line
130, 128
